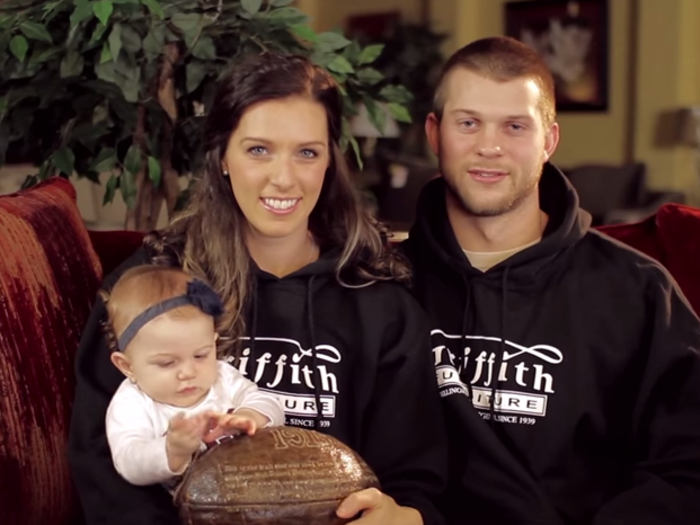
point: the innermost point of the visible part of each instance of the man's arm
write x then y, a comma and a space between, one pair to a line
665, 480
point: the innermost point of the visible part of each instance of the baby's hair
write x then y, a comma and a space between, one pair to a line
138, 289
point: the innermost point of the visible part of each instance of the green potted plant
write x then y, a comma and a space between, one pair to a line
89, 87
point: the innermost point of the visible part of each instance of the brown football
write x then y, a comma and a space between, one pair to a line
279, 476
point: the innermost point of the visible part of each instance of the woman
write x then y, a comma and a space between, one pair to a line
274, 225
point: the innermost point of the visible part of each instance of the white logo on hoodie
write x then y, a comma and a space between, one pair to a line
525, 378
282, 364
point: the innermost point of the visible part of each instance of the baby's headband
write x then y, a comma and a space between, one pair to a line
198, 294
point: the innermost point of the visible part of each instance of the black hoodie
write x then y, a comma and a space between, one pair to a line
597, 415
376, 387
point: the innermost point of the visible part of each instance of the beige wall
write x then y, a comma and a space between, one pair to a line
586, 137
330, 14
661, 74
668, 77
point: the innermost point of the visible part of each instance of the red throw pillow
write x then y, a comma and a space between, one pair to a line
671, 236
49, 275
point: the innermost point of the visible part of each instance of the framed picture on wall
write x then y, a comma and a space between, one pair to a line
373, 27
572, 37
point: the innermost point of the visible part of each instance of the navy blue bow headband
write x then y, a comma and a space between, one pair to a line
198, 294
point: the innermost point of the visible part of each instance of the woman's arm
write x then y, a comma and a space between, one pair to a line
106, 497
405, 439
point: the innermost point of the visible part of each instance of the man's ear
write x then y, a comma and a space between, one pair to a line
432, 132
551, 141
121, 361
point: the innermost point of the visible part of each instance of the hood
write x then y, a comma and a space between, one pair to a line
433, 240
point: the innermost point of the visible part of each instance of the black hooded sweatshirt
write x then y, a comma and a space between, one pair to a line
376, 387
596, 417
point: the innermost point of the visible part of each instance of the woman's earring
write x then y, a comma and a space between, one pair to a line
226, 174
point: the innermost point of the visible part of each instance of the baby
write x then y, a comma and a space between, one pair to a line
164, 341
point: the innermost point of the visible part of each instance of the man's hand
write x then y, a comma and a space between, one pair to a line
183, 439
377, 509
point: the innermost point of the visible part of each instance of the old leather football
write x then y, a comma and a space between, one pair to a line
279, 476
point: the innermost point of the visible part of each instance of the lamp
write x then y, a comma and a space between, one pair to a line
689, 129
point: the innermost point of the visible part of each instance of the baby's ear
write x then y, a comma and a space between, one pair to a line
216, 336
121, 361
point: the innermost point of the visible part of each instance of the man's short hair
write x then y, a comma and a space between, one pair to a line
501, 59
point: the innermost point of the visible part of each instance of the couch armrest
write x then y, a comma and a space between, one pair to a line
652, 202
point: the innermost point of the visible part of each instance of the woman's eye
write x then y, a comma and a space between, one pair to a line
257, 150
309, 154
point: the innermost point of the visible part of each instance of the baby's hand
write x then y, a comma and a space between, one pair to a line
245, 419
184, 438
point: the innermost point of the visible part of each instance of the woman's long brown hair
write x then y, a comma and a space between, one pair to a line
207, 238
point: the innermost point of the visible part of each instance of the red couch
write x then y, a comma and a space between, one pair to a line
50, 270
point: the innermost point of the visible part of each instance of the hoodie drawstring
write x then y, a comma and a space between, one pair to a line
312, 337
254, 320
465, 322
502, 346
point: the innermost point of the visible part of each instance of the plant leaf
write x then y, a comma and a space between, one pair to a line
204, 48
369, 75
64, 160
97, 35
35, 31
394, 93
103, 10
106, 72
154, 171
131, 40
6, 21
127, 185
195, 74
376, 113
19, 47
82, 11
371, 53
72, 64
288, 15
154, 7
105, 55
110, 190
399, 112
186, 22
105, 161
132, 161
115, 41
340, 64
44, 55
251, 6
304, 32
332, 41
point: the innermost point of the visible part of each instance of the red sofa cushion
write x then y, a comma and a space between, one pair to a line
672, 237
49, 275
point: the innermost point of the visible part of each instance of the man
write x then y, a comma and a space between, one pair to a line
569, 365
